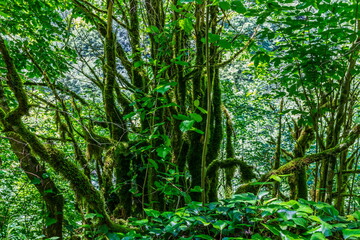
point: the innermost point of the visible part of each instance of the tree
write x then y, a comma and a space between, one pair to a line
135, 93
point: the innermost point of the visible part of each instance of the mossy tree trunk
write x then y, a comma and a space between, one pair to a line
170, 61
36, 172
339, 123
166, 73
80, 183
304, 136
53, 199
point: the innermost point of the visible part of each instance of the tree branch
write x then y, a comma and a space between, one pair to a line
15, 83
298, 163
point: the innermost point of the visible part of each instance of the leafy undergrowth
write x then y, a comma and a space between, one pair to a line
247, 216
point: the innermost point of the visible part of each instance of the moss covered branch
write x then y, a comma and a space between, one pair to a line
52, 197
300, 162
79, 182
15, 83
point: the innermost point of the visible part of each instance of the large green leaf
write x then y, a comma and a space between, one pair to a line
351, 233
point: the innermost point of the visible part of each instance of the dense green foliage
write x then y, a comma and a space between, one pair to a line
179, 119
247, 216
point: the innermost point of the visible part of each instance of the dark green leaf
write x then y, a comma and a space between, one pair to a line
224, 5
113, 236
50, 221
238, 7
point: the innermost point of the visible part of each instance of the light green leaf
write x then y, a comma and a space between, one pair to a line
276, 178
305, 209
141, 222
203, 236
220, 225
152, 212
130, 115
90, 215
196, 117
300, 221
186, 25
186, 125
315, 218
196, 189
163, 151
202, 220
261, 183
202, 110
196, 103
182, 63
351, 233
317, 236
162, 88
197, 130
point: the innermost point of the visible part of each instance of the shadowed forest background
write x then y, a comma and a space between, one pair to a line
179, 119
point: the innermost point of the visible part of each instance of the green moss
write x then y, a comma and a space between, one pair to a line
123, 179
57, 160
216, 135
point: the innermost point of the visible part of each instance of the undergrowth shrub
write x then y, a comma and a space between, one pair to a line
247, 216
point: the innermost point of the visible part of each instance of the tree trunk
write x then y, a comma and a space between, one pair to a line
53, 199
